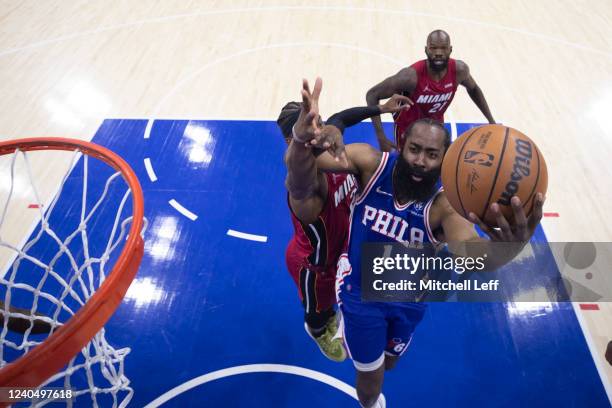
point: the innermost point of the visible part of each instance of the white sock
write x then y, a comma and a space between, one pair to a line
380, 402
340, 331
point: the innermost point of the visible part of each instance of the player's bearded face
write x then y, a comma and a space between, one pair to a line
438, 56
414, 183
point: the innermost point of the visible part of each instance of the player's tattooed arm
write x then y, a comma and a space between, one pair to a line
403, 82
465, 79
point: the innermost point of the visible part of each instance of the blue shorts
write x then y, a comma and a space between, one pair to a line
373, 329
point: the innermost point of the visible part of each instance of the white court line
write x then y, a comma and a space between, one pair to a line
241, 53
254, 368
149, 168
178, 207
138, 23
147, 132
453, 124
244, 235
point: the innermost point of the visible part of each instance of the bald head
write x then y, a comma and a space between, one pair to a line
438, 35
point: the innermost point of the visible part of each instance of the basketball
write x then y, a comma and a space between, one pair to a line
489, 164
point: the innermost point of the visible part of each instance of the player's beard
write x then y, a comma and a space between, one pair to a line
408, 189
437, 65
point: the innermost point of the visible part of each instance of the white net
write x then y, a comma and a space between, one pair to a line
51, 274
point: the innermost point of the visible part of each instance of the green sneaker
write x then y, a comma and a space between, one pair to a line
332, 327
330, 347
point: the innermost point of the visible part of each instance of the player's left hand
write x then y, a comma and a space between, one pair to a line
395, 104
521, 230
308, 125
609, 353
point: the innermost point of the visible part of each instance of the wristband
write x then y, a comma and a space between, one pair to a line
297, 139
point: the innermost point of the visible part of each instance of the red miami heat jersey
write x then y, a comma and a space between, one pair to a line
431, 98
317, 246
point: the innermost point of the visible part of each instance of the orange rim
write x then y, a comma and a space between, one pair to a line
33, 368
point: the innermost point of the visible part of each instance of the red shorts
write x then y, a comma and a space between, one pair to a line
316, 285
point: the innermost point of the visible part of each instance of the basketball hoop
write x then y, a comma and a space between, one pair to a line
42, 360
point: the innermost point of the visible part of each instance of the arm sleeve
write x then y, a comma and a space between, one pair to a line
352, 116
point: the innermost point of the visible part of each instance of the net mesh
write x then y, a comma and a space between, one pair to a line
75, 240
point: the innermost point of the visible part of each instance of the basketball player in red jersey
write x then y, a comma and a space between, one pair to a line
320, 205
431, 85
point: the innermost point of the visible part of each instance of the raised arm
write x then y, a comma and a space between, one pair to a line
307, 187
352, 116
403, 82
465, 78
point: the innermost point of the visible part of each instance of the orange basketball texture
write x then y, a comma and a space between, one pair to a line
492, 163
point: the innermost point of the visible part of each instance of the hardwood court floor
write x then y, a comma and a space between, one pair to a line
545, 68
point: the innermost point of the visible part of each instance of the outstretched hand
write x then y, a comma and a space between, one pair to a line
309, 128
395, 104
521, 230
308, 125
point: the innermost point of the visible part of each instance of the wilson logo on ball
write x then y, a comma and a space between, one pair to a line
483, 159
520, 169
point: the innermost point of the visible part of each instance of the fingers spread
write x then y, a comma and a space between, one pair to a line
502, 223
305, 85
484, 227
520, 219
402, 99
536, 214
317, 88
305, 101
